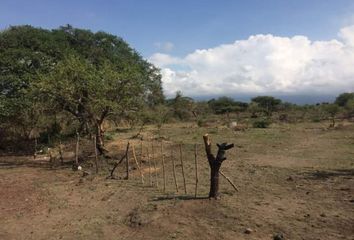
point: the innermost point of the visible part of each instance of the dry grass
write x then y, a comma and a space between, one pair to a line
294, 179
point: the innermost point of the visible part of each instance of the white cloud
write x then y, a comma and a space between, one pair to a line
263, 64
164, 46
162, 60
347, 34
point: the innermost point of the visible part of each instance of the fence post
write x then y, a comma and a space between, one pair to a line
163, 167
174, 169
196, 169
181, 158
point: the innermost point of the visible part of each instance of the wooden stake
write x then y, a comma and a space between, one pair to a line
35, 148
117, 163
181, 158
96, 154
127, 164
229, 180
51, 160
61, 153
141, 152
148, 159
196, 169
163, 167
77, 149
137, 165
174, 168
154, 162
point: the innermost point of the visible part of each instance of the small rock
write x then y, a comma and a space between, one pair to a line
323, 215
248, 231
278, 236
290, 179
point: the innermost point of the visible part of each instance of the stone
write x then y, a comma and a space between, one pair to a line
278, 236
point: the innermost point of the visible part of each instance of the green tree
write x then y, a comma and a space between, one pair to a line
92, 95
254, 109
24, 52
268, 103
343, 98
331, 110
226, 105
349, 107
182, 107
92, 76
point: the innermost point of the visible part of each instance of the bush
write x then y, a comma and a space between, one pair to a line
109, 136
201, 122
261, 123
316, 119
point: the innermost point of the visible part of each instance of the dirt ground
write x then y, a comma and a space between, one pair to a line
294, 180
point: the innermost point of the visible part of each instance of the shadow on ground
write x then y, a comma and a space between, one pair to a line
181, 197
324, 174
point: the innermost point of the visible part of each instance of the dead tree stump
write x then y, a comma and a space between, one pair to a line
215, 164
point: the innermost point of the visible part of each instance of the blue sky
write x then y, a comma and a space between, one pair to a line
226, 47
188, 24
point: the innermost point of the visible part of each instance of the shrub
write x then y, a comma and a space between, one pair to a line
316, 119
261, 123
109, 136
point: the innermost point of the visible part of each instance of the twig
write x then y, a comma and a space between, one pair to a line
229, 180
121, 160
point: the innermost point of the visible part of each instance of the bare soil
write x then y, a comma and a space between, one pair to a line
293, 180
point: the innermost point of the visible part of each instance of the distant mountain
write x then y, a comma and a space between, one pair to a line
297, 99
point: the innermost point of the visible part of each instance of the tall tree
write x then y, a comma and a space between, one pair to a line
92, 76
268, 103
343, 98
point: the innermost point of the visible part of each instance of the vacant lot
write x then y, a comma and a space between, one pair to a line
295, 180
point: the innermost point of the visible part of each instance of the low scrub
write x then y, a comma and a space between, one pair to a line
261, 123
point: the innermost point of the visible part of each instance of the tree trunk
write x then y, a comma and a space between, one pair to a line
215, 164
214, 179
100, 138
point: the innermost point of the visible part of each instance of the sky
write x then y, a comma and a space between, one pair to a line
301, 48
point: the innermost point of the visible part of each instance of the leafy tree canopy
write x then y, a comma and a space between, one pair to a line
267, 103
343, 98
90, 75
226, 104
